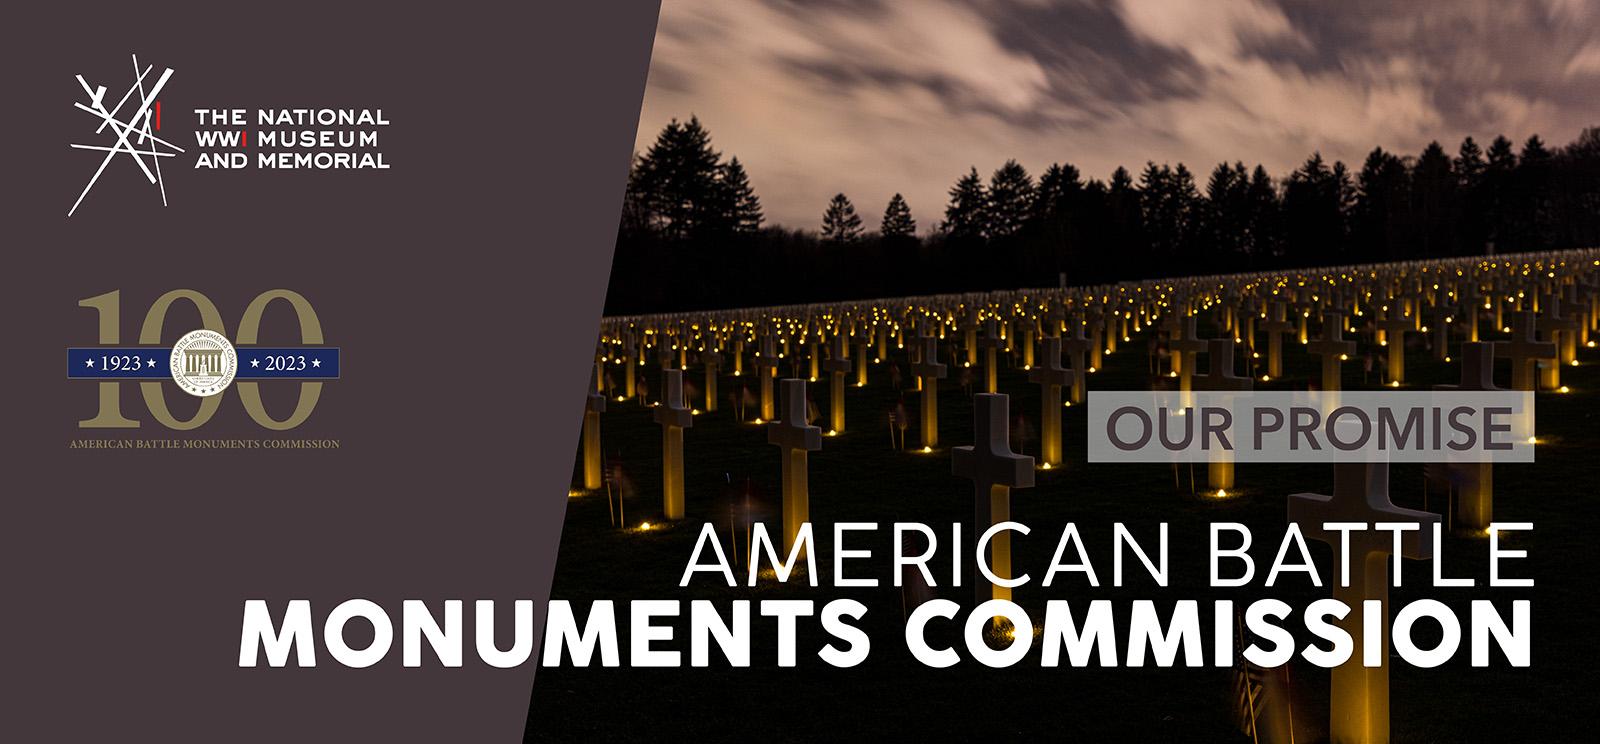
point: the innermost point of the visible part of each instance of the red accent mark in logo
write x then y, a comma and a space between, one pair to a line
244, 138
158, 116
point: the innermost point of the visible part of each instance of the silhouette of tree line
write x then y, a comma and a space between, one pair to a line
692, 234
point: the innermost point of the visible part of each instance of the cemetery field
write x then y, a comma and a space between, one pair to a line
859, 476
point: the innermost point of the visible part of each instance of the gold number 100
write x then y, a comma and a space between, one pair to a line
109, 307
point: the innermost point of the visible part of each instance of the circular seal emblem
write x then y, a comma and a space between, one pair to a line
203, 363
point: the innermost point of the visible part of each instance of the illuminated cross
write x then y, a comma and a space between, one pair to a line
593, 407
1394, 327
767, 370
674, 417
970, 337
1561, 331
1092, 327
1579, 301
837, 366
929, 370
1333, 348
1523, 349
1221, 378
795, 438
712, 361
1471, 299
630, 360
1275, 330
994, 470
991, 343
1075, 346
664, 351
1359, 696
1439, 330
1184, 346
1050, 376
814, 355
1474, 481
862, 339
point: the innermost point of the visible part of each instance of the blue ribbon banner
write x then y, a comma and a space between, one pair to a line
151, 363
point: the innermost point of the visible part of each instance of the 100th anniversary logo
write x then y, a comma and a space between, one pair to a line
232, 138
205, 363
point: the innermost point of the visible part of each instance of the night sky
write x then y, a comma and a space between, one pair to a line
871, 98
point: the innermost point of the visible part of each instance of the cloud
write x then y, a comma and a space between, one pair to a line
904, 96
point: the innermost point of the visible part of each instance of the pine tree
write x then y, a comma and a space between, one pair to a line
840, 223
1265, 215
1469, 163
1433, 191
1498, 199
967, 216
1314, 206
678, 180
1470, 169
1010, 200
742, 208
897, 222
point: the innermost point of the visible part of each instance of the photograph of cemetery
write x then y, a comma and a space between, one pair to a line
872, 259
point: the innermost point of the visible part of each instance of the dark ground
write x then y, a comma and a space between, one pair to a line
858, 477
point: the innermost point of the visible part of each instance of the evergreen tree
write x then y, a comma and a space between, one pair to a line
1265, 218
1470, 169
1531, 186
1433, 189
1498, 200
1226, 210
840, 223
678, 181
741, 208
897, 222
1469, 164
1167, 200
1125, 232
1383, 204
1314, 204
967, 216
1010, 200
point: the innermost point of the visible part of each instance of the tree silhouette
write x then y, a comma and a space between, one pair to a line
897, 221
840, 223
741, 208
1010, 200
1314, 204
677, 181
967, 215
692, 233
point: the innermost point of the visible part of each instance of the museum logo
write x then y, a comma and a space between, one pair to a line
330, 138
128, 127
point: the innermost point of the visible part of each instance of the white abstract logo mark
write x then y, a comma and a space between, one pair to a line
136, 130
